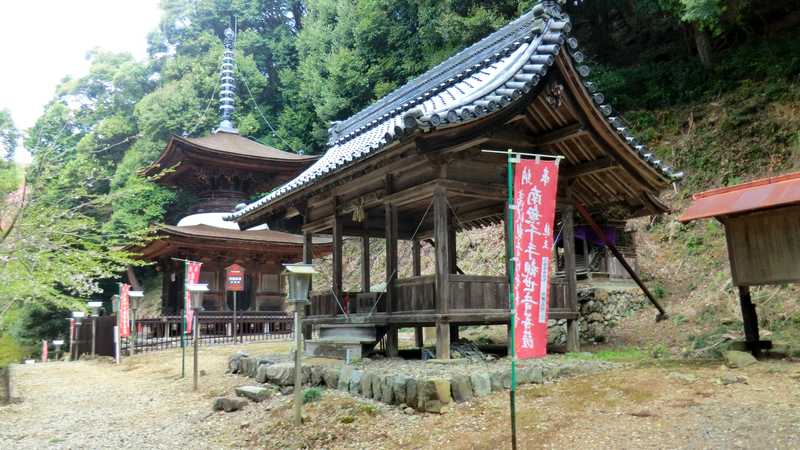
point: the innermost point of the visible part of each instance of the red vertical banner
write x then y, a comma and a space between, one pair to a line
72, 330
124, 310
535, 186
192, 277
44, 351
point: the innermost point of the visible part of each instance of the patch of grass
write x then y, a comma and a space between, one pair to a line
614, 355
347, 419
312, 395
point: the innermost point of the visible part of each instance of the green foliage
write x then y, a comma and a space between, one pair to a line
10, 351
9, 135
312, 395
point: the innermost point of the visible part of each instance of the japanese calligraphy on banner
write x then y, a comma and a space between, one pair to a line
124, 310
192, 277
535, 186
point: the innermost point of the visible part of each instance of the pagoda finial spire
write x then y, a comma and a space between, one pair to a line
227, 89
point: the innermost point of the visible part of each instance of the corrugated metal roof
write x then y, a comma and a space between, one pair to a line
480, 80
753, 196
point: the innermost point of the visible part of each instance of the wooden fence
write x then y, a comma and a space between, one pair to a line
159, 333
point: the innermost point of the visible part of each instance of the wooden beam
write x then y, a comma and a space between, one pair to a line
559, 135
587, 168
441, 228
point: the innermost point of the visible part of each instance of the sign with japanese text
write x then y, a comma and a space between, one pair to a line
192, 277
535, 186
124, 310
234, 278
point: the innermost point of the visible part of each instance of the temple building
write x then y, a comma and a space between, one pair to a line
413, 166
221, 171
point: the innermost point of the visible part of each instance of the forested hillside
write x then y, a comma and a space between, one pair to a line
712, 85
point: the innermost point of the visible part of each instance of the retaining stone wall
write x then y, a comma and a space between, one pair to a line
424, 386
602, 308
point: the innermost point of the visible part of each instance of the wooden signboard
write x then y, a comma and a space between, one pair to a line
234, 278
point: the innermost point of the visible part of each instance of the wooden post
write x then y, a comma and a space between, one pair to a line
336, 280
392, 341
391, 255
568, 217
750, 320
308, 258
365, 283
419, 337
451, 244
416, 255
441, 232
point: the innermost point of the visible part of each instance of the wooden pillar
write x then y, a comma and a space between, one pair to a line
440, 233
336, 279
750, 320
568, 216
365, 283
392, 341
451, 244
391, 255
166, 284
308, 258
419, 337
416, 258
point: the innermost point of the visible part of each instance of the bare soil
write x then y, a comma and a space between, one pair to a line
144, 403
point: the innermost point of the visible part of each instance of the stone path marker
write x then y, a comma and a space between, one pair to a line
254, 393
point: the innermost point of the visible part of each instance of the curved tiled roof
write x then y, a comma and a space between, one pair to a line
481, 79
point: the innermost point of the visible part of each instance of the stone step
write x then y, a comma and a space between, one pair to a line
338, 348
349, 331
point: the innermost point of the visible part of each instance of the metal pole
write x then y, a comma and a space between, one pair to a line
133, 331
235, 335
196, 335
299, 309
512, 312
183, 319
94, 335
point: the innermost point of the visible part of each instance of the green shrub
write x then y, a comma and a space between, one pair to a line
312, 395
10, 351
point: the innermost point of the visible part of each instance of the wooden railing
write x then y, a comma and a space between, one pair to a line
468, 293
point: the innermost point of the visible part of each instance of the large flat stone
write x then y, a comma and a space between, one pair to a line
399, 388
366, 384
344, 378
461, 388
387, 392
412, 393
377, 387
228, 404
736, 360
331, 378
481, 384
254, 393
281, 374
355, 382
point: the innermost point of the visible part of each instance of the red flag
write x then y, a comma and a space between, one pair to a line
535, 186
71, 329
44, 351
192, 277
124, 310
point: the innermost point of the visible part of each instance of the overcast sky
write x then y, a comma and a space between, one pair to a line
41, 41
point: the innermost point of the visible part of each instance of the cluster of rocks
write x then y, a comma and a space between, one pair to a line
425, 386
601, 309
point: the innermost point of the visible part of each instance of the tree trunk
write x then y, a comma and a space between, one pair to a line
702, 41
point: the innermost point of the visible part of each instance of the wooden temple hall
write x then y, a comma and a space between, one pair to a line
220, 171
412, 167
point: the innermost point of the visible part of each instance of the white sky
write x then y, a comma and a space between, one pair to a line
41, 41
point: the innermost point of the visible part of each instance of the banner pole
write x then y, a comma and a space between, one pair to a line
183, 319
511, 307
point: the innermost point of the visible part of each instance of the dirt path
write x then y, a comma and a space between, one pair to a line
143, 404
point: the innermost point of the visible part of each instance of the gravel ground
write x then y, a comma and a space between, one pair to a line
144, 404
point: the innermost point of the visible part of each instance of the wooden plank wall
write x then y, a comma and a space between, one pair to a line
764, 247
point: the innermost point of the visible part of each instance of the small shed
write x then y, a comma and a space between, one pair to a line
762, 228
